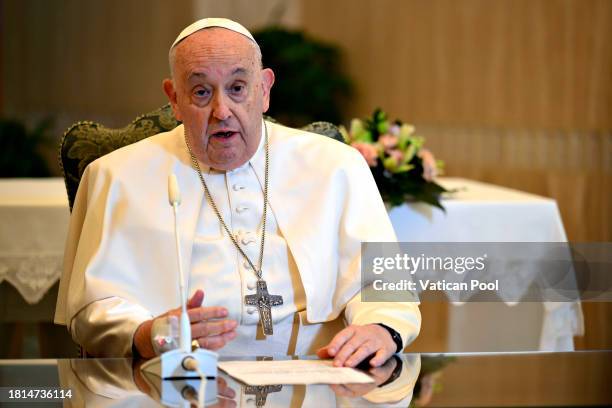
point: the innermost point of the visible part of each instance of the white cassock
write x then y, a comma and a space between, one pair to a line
120, 261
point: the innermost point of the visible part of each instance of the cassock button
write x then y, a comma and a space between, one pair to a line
247, 265
237, 187
248, 239
250, 309
241, 209
252, 284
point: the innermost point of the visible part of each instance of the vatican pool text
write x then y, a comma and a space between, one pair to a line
440, 285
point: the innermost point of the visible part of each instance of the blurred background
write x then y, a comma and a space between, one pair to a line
513, 92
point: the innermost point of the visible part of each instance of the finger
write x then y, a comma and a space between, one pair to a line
377, 372
216, 342
212, 328
364, 350
205, 313
339, 339
347, 350
225, 403
357, 390
227, 392
323, 353
196, 300
383, 372
340, 390
381, 356
334, 387
212, 343
223, 389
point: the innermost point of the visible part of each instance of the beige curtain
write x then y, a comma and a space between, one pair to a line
76, 60
541, 64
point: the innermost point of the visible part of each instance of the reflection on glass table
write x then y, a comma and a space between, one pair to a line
97, 381
447, 380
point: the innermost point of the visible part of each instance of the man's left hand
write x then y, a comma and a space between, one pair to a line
379, 374
354, 343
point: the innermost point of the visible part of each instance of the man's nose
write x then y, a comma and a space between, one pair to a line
220, 108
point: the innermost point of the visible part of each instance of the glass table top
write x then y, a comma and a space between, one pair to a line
580, 378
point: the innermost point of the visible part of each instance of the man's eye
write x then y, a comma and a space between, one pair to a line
202, 93
237, 89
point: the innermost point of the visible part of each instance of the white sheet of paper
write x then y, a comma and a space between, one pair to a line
270, 372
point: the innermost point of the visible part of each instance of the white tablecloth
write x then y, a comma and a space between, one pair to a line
34, 220
33, 226
480, 212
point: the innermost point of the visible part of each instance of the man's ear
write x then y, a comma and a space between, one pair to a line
170, 92
267, 80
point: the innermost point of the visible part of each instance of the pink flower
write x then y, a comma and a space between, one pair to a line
388, 141
430, 169
368, 152
397, 155
394, 130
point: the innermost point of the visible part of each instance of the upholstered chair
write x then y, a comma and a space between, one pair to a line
86, 141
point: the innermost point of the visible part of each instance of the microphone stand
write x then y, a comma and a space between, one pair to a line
182, 363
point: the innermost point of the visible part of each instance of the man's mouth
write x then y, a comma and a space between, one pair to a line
224, 134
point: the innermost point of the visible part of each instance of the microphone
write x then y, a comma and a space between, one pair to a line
174, 194
182, 363
174, 198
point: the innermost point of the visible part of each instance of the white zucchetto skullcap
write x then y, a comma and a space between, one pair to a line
213, 22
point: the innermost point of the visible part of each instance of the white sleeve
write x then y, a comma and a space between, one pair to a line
365, 219
105, 328
99, 321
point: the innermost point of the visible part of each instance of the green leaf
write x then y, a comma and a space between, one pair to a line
364, 136
404, 168
345, 134
383, 127
356, 127
417, 141
406, 129
390, 164
409, 153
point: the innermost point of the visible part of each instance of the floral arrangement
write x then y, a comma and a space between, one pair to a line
402, 168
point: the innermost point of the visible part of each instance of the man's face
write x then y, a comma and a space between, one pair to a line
219, 92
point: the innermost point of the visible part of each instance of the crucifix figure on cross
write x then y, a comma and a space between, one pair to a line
264, 303
261, 392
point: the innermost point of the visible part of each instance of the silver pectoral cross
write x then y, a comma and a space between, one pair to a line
264, 303
261, 392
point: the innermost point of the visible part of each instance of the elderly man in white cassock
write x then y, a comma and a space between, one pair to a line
266, 210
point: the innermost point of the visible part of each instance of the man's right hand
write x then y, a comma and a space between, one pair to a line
208, 326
